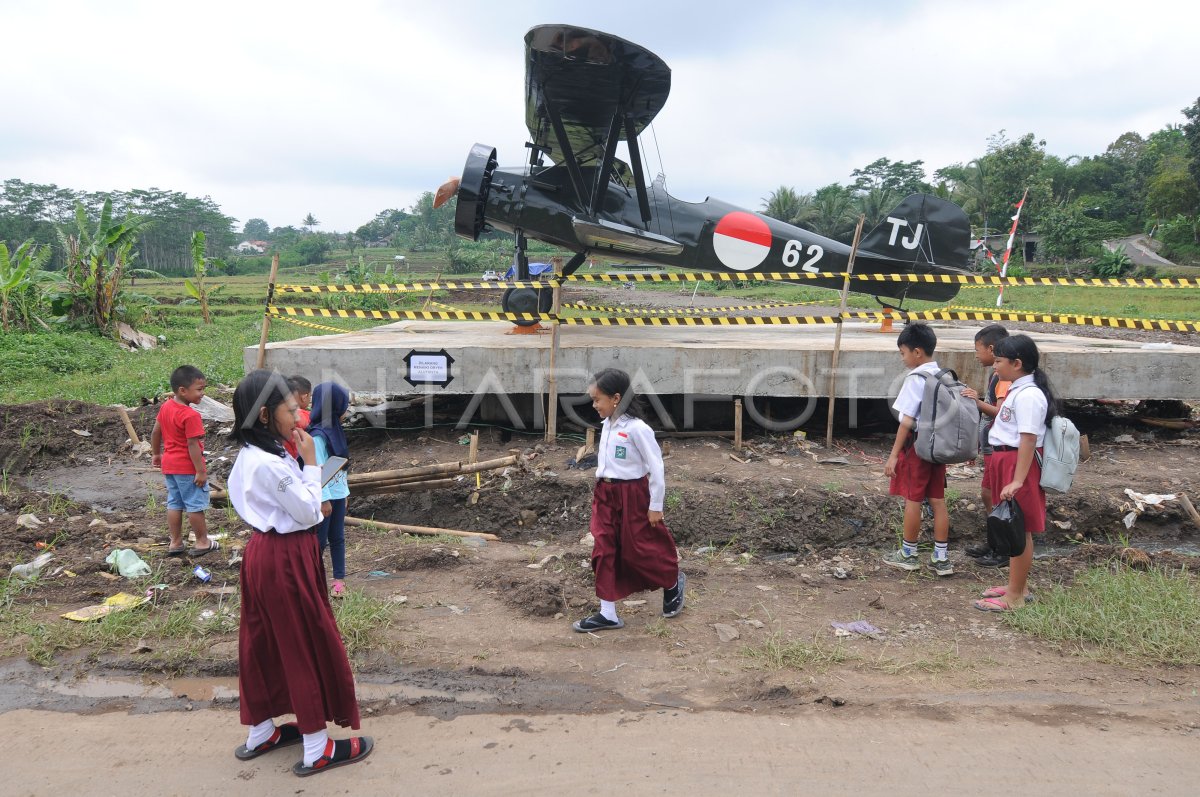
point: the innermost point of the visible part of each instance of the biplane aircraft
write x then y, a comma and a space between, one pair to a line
586, 91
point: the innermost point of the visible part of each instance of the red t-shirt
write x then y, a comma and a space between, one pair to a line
303, 418
179, 423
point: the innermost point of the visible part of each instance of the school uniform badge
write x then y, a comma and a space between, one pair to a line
620, 452
1006, 414
284, 483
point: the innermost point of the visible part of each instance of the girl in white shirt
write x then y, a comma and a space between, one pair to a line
1014, 471
633, 549
290, 655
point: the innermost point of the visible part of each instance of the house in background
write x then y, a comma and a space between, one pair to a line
258, 247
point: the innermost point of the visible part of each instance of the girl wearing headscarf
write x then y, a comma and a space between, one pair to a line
329, 404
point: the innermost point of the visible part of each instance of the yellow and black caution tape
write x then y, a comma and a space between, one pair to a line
1039, 318
965, 279
705, 276
699, 321
308, 324
687, 310
409, 315
409, 287
442, 306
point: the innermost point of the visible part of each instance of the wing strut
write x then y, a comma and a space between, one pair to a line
635, 163
567, 155
602, 176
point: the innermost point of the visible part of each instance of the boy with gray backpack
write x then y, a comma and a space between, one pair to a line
938, 426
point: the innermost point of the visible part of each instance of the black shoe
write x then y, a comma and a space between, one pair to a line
992, 559
979, 549
673, 598
597, 622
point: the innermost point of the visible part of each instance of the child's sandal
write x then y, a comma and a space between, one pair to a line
284, 736
338, 753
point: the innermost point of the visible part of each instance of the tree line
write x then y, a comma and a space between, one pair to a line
1138, 185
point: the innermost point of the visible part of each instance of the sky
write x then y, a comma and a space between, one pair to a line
343, 109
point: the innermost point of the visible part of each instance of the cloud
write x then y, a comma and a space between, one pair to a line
280, 109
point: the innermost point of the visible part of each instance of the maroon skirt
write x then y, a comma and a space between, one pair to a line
1000, 469
629, 555
290, 655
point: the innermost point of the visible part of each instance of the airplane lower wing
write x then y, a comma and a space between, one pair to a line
609, 236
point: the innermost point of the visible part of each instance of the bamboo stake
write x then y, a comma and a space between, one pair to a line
356, 521
552, 408
737, 425
133, 435
262, 341
1191, 510
837, 339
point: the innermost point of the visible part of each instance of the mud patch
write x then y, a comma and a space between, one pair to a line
422, 557
540, 593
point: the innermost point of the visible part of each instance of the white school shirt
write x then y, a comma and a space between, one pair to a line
273, 492
628, 450
1023, 411
913, 390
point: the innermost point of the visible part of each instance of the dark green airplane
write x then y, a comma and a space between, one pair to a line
585, 91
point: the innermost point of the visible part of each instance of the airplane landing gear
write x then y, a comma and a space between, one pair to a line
526, 300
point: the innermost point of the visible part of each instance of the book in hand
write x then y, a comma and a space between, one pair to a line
331, 468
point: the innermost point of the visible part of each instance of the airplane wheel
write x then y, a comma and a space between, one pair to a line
527, 300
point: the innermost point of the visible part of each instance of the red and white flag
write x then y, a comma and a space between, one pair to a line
1008, 249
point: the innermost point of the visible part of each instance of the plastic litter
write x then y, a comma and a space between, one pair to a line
31, 570
116, 603
856, 627
128, 563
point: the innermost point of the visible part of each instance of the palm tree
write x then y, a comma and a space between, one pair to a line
310, 222
875, 204
785, 204
833, 213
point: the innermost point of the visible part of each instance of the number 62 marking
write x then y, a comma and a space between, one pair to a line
794, 250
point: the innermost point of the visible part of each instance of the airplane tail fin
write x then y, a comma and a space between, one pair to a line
922, 232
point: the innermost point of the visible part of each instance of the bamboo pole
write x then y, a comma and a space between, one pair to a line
356, 521
737, 425
1191, 510
262, 341
473, 453
408, 487
432, 470
133, 435
837, 339
552, 388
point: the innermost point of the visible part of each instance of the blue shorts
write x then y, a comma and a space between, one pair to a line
182, 493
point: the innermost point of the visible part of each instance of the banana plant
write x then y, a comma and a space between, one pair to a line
196, 289
19, 275
98, 260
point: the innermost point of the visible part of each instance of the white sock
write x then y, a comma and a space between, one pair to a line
941, 551
314, 746
260, 733
609, 610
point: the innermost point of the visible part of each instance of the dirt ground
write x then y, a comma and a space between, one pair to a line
778, 541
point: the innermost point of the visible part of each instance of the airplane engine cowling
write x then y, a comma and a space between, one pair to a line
473, 191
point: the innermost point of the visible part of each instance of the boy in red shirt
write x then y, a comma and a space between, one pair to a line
177, 446
301, 391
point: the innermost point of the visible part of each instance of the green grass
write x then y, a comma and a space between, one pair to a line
1120, 614
363, 620
778, 652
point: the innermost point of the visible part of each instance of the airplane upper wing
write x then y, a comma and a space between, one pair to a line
586, 78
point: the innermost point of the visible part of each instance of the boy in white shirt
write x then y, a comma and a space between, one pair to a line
912, 477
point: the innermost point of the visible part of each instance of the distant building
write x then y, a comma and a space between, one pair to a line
257, 247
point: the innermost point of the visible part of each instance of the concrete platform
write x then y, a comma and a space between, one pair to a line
783, 361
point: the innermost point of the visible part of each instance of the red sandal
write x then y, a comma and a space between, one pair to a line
338, 753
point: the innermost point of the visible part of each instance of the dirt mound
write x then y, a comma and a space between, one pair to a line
537, 593
56, 432
422, 557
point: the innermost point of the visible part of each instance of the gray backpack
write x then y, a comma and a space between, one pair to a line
948, 426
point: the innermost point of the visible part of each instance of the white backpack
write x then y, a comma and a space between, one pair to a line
1061, 457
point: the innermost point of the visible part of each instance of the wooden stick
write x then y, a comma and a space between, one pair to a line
837, 338
473, 453
1191, 510
737, 425
262, 341
714, 433
133, 435
552, 404
356, 521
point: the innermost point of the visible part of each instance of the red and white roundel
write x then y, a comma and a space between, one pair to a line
741, 240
